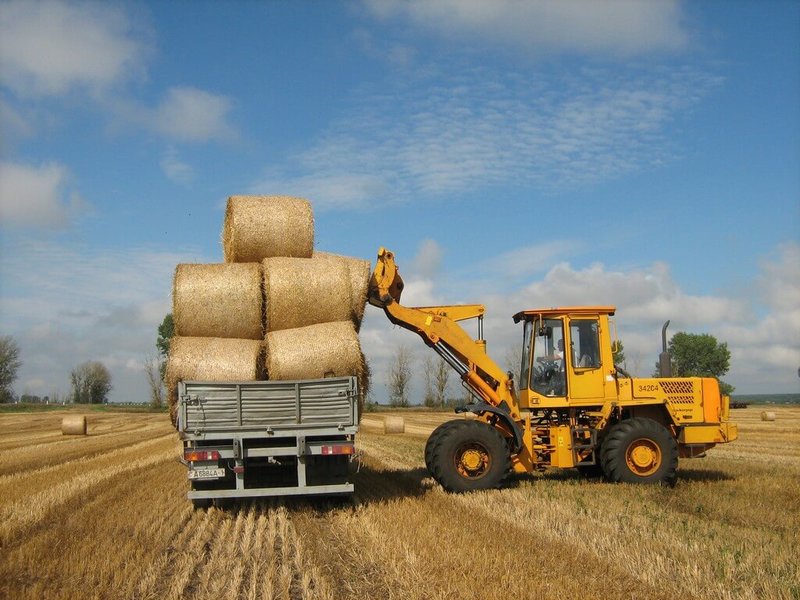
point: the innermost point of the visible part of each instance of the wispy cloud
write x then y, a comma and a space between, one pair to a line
615, 27
192, 115
472, 130
37, 196
175, 169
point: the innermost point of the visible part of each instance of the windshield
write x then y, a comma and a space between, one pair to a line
548, 376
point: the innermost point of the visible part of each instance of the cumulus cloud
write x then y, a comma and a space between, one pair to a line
51, 47
473, 129
762, 333
614, 27
37, 196
193, 115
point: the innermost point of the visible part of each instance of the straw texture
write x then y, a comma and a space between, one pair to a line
257, 227
322, 350
359, 271
211, 359
73, 425
394, 425
302, 291
767, 416
220, 300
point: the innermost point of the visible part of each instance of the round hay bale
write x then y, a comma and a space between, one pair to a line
301, 291
359, 271
73, 425
221, 300
321, 350
257, 227
767, 416
394, 425
211, 359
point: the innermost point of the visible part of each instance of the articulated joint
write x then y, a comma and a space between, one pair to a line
501, 411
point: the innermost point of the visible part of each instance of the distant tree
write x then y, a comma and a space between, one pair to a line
152, 370
441, 377
619, 354
9, 366
91, 382
429, 368
165, 333
400, 377
512, 361
699, 355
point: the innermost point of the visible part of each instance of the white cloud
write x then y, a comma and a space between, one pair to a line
51, 47
471, 130
193, 115
175, 169
37, 196
615, 27
428, 259
763, 339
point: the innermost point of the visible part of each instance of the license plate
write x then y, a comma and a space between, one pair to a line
206, 473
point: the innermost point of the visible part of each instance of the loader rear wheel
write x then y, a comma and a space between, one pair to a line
436, 433
639, 450
471, 456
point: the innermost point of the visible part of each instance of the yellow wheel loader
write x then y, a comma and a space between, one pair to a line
572, 406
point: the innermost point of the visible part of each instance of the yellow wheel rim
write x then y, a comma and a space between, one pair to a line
643, 457
472, 461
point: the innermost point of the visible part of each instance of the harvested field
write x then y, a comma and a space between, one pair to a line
105, 516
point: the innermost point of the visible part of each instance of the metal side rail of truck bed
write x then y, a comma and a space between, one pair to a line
268, 438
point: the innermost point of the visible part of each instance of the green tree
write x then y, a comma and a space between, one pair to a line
700, 355
91, 382
9, 366
165, 333
619, 354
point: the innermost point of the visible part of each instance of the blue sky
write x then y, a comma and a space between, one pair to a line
519, 154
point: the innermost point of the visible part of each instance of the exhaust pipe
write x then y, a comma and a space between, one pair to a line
664, 360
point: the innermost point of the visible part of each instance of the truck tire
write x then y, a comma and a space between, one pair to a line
435, 435
472, 456
639, 450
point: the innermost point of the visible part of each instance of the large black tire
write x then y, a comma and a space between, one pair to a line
435, 435
471, 456
639, 450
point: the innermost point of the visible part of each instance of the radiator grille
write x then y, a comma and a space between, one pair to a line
677, 387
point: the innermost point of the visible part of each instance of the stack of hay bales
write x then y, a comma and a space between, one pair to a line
275, 309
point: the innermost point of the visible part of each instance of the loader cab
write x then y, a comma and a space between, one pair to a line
565, 351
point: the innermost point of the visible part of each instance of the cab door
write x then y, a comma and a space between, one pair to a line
584, 370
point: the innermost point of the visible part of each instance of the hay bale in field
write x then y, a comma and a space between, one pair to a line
211, 359
359, 271
219, 300
321, 350
301, 291
767, 416
394, 425
73, 425
257, 227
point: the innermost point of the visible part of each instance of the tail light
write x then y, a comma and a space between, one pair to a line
199, 455
338, 449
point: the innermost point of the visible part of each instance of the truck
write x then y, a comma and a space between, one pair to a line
267, 438
572, 406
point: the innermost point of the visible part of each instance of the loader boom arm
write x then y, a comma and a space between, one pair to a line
439, 329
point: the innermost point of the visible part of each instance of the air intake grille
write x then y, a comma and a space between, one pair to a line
680, 386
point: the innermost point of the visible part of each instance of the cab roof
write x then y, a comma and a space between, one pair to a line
532, 313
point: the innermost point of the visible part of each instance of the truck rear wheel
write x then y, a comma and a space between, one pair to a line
639, 450
471, 456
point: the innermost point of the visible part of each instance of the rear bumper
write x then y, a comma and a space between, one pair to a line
708, 434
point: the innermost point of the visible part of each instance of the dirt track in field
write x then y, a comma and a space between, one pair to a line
105, 516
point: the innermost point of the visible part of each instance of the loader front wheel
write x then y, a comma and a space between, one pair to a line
471, 456
435, 435
639, 450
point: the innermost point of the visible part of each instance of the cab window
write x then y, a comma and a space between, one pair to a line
585, 343
548, 375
